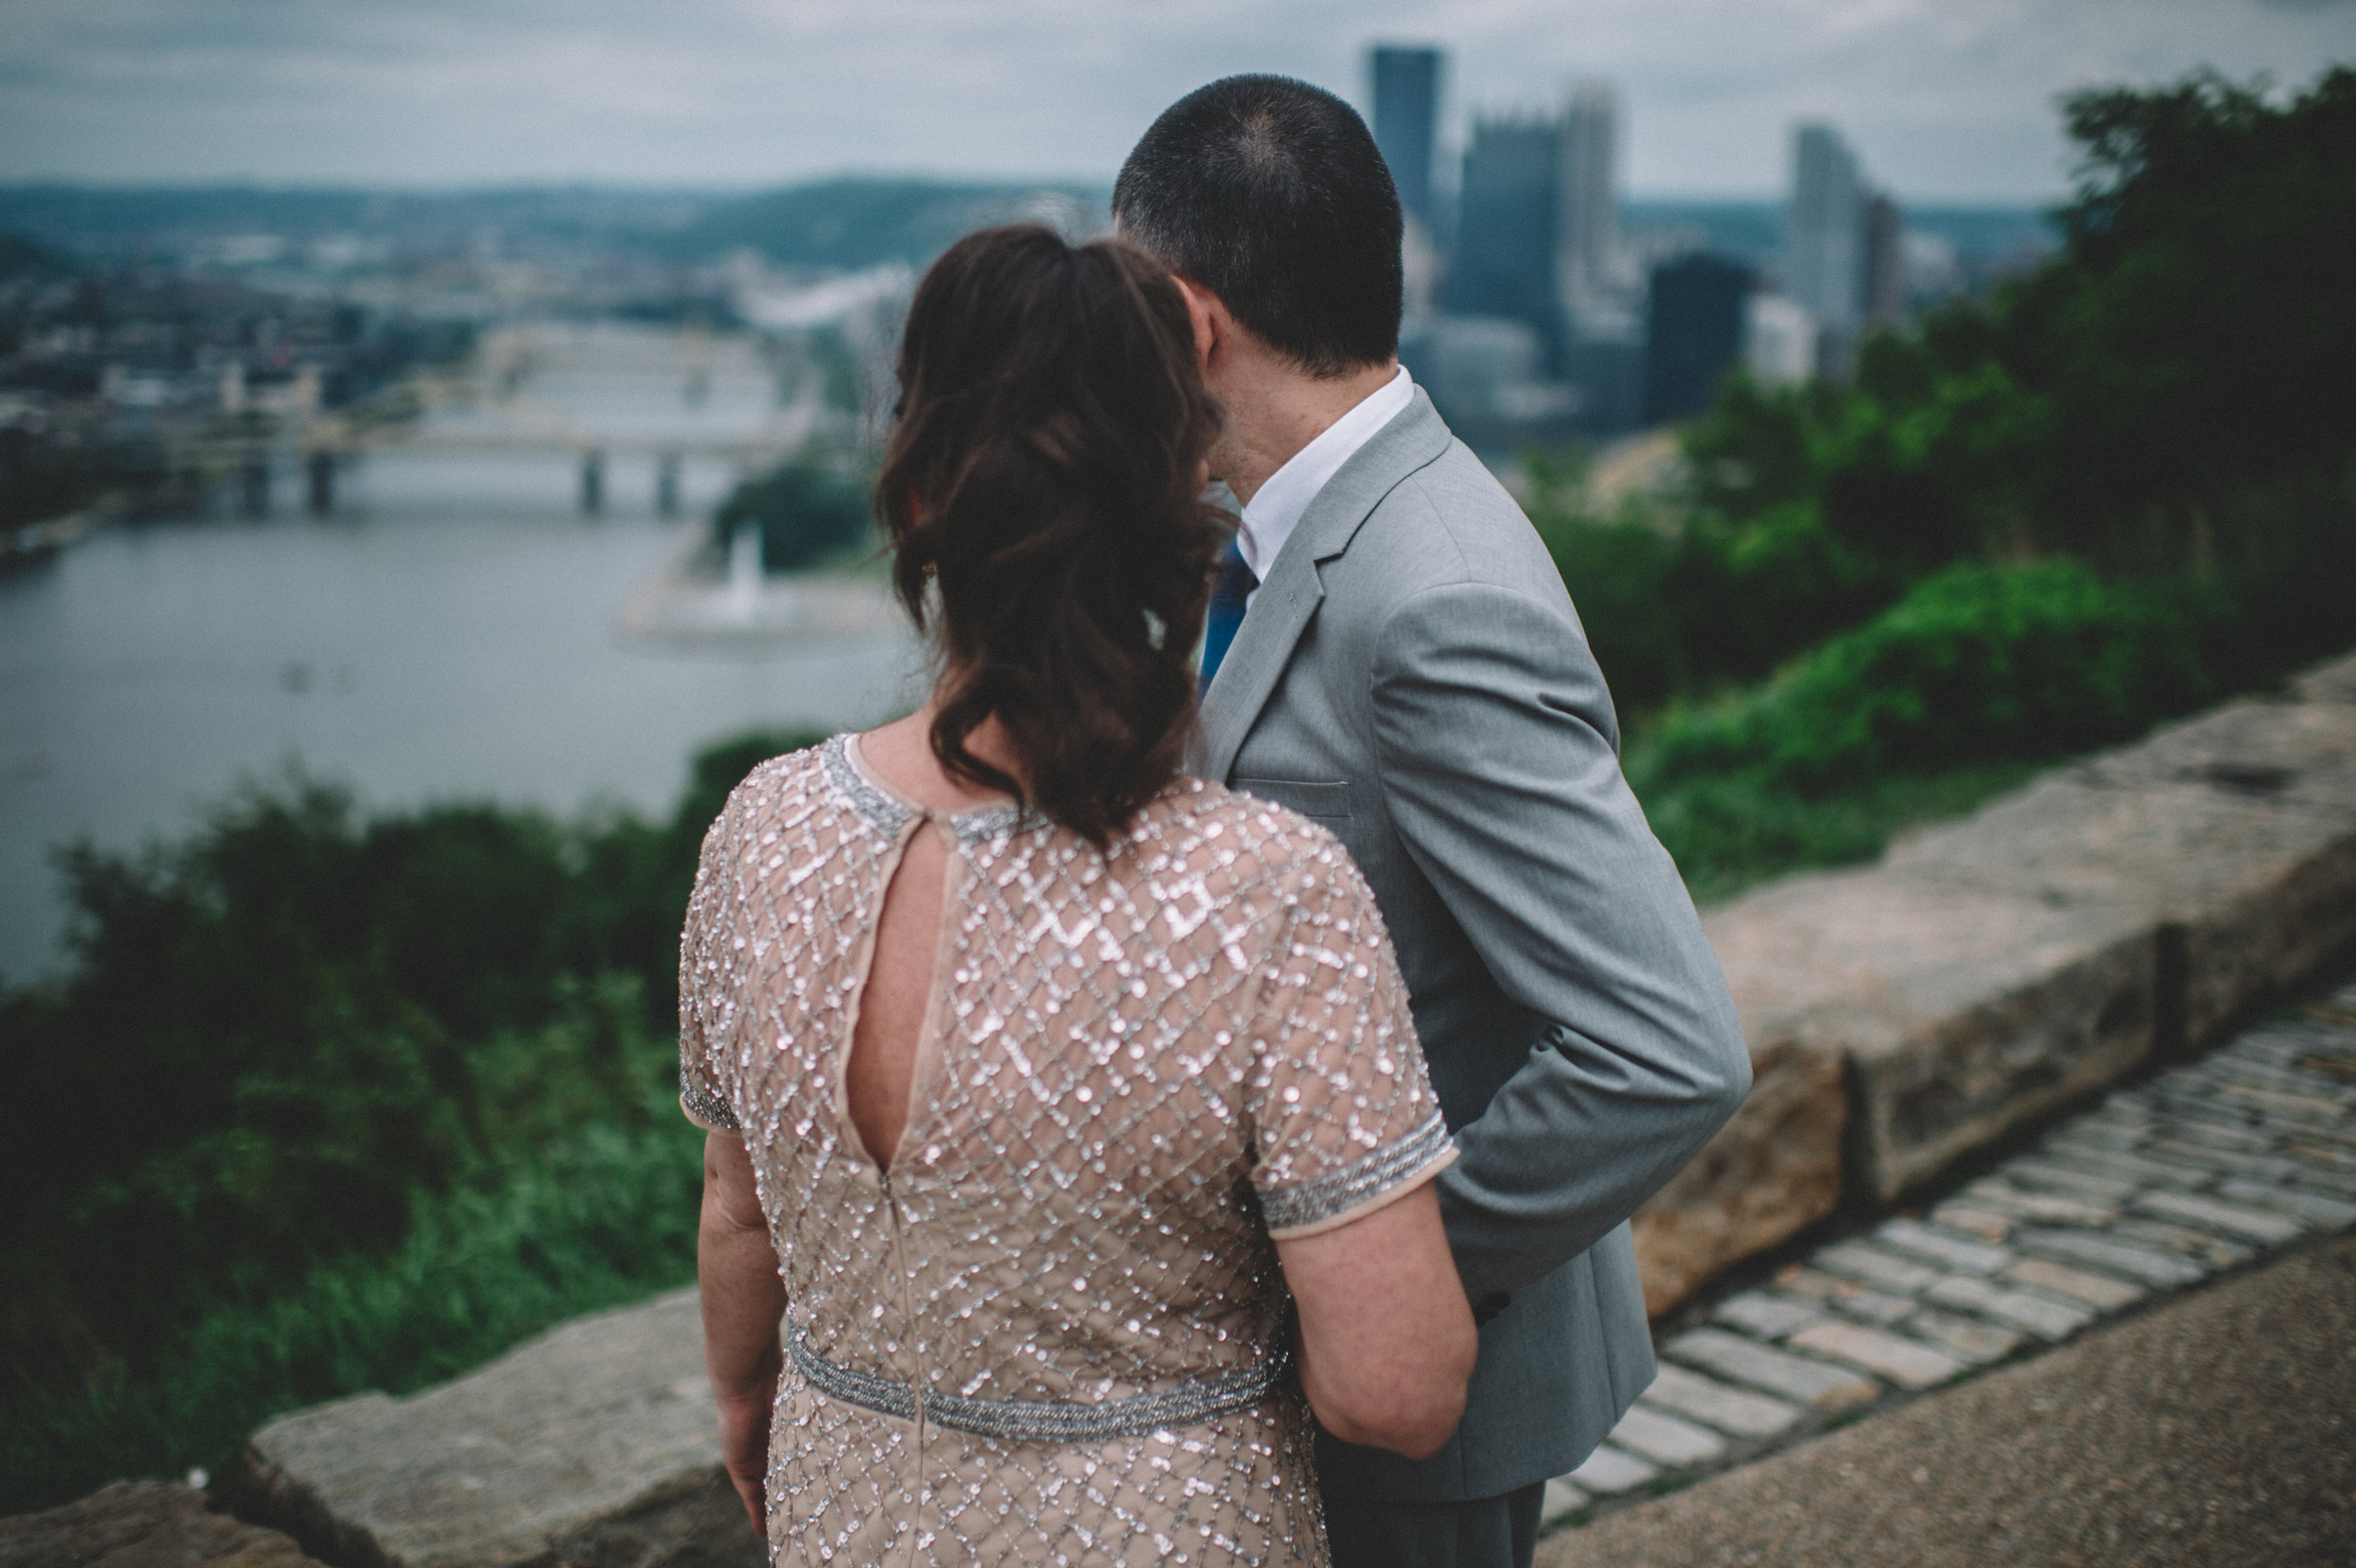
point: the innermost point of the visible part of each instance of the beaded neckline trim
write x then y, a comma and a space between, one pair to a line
888, 813
1045, 1420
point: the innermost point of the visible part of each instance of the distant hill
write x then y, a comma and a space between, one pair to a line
851, 224
846, 223
119, 221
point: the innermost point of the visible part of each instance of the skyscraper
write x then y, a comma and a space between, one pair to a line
1825, 248
1885, 262
1406, 119
1505, 225
1696, 322
1587, 214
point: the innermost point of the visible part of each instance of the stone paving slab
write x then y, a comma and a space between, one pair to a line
2162, 1185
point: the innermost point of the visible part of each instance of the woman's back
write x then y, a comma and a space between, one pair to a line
1057, 1316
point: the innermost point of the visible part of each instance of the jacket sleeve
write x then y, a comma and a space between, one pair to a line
1498, 757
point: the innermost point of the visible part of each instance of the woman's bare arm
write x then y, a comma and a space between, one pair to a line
743, 1301
1386, 1340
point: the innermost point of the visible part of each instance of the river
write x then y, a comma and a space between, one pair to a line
451, 631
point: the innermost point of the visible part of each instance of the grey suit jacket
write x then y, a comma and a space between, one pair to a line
1413, 676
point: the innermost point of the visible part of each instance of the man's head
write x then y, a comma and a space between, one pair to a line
1270, 193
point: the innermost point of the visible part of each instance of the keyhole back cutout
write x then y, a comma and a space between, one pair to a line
889, 1042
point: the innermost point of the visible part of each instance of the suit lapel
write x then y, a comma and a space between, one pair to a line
1288, 599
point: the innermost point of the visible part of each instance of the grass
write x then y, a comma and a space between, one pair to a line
604, 1218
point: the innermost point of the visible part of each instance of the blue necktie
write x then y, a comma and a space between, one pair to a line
1229, 590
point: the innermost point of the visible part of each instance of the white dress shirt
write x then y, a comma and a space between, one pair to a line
1273, 512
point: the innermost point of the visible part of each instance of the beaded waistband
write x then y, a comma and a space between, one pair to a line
1045, 1420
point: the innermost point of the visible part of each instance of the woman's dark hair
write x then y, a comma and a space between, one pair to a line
1045, 476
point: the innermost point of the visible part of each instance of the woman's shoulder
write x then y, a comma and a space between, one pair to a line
1197, 818
774, 790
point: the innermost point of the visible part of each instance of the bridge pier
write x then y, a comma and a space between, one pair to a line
592, 482
666, 470
319, 471
253, 483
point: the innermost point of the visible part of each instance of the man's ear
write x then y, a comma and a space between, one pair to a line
1209, 316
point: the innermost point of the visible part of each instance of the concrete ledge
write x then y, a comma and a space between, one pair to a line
595, 1444
1989, 970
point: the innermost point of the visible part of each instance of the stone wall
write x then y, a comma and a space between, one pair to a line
1906, 1016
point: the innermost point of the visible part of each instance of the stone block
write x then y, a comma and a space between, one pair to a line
2234, 831
1963, 1012
1562, 1498
2311, 1206
2270, 1229
2080, 1284
143, 1525
1769, 1316
2069, 1177
2147, 1263
1977, 1343
594, 1442
1744, 1360
2048, 1207
2137, 1169
2205, 1249
1873, 1266
1928, 1241
1610, 1471
1665, 1439
1907, 1363
1772, 1170
1734, 1411
2045, 1317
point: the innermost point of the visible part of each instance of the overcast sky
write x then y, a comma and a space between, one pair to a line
1944, 99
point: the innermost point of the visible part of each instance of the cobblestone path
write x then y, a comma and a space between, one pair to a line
2201, 1168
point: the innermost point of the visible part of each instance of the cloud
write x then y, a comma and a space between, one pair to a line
1943, 97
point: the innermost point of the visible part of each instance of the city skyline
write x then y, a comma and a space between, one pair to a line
1952, 101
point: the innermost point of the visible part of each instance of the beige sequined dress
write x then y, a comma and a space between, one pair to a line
1055, 1330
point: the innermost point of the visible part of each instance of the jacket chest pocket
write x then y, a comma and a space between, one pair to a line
1323, 800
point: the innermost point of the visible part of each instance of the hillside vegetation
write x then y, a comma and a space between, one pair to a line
2121, 487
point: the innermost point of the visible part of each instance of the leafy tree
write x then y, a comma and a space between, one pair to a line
805, 513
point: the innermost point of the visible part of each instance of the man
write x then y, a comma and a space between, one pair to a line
1408, 670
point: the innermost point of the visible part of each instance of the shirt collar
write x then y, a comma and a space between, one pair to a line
1276, 508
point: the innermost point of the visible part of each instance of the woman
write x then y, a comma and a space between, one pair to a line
1035, 1073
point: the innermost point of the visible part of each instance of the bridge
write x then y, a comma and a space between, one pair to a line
491, 406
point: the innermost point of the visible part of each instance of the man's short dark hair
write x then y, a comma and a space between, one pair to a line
1270, 193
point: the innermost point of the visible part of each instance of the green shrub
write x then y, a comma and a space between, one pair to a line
1976, 663
805, 513
287, 1037
602, 1217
